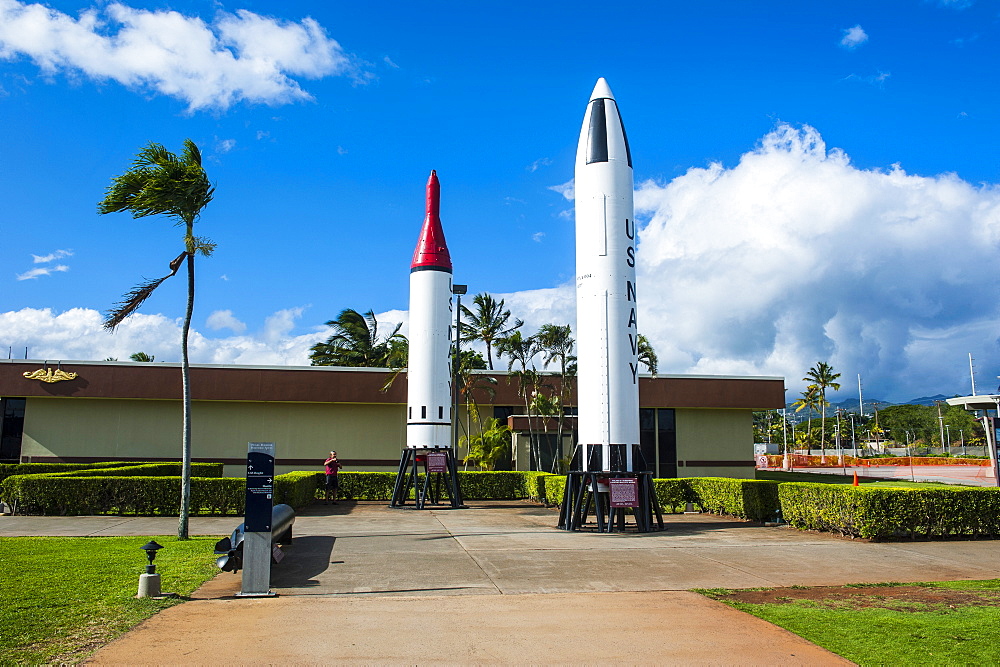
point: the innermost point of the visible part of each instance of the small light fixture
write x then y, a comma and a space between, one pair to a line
151, 548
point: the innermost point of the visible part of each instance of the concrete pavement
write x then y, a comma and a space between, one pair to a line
497, 583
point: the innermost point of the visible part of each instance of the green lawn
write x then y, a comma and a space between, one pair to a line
945, 633
63, 598
824, 478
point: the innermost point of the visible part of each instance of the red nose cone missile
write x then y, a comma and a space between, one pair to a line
432, 250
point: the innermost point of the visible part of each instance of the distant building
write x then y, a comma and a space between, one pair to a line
691, 425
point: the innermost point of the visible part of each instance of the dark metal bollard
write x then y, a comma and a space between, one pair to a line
230, 549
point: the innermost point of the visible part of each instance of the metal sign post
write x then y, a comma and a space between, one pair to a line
257, 521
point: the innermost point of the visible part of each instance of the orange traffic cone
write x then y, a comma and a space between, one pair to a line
855, 482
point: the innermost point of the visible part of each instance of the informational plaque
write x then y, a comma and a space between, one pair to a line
260, 487
624, 491
437, 462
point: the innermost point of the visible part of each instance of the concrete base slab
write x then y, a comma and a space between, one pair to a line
632, 628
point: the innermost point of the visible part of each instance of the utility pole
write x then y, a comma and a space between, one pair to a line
940, 422
861, 400
972, 374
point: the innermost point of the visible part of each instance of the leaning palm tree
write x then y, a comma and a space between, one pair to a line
822, 376
160, 183
489, 323
356, 342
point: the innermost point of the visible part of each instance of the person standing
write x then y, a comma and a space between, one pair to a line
333, 466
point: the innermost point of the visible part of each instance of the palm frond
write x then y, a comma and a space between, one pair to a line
134, 298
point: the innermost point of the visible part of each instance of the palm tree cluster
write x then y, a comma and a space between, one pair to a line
356, 341
813, 398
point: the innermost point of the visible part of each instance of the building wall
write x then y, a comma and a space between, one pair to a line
714, 437
366, 437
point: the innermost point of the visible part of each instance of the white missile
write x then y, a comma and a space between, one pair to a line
428, 372
606, 332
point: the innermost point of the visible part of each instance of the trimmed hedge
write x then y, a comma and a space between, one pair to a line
752, 499
673, 494
9, 469
169, 469
885, 513
51, 495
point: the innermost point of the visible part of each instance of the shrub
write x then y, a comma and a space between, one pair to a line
365, 485
297, 489
756, 500
884, 513
9, 469
54, 495
555, 489
673, 494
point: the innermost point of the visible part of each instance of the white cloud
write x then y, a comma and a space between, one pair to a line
42, 271
78, 334
225, 145
388, 61
224, 319
237, 57
341, 150
853, 37
567, 189
537, 237
58, 254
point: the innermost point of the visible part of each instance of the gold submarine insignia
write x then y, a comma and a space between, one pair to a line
48, 375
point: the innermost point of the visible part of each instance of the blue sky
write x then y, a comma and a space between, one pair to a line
815, 181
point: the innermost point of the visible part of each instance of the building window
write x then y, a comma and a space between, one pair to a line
11, 428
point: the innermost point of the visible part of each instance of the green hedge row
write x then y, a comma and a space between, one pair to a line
9, 469
886, 513
50, 495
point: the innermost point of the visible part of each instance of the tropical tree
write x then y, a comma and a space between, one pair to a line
488, 445
356, 342
810, 402
161, 183
489, 323
520, 351
142, 357
647, 356
469, 383
556, 345
823, 377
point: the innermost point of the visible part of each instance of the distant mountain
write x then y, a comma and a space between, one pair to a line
928, 400
851, 404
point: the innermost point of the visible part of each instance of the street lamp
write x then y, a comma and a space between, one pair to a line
947, 428
458, 291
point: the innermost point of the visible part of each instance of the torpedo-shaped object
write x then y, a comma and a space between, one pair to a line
607, 333
428, 372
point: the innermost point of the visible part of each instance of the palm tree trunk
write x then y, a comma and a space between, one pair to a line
822, 431
182, 526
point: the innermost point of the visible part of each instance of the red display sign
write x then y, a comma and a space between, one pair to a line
624, 491
437, 462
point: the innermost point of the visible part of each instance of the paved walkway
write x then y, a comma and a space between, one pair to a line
497, 583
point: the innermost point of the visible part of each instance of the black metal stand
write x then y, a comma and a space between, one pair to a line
409, 477
590, 489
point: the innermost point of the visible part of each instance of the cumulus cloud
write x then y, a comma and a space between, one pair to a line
239, 57
224, 319
78, 334
795, 255
853, 37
